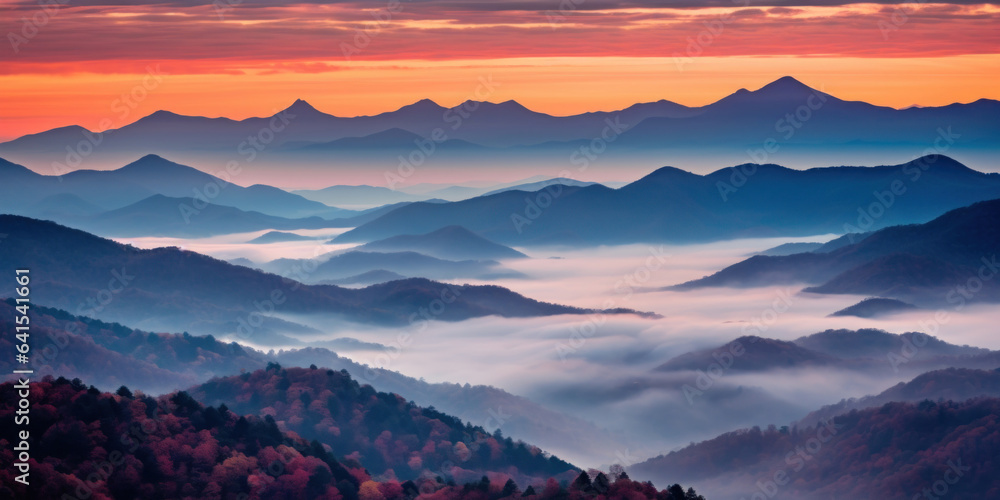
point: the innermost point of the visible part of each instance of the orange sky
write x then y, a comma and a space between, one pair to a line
88, 62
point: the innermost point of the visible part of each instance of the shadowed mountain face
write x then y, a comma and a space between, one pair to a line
172, 289
923, 263
671, 205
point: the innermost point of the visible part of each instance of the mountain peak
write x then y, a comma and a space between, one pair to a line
785, 84
783, 89
942, 163
423, 105
152, 163
668, 172
162, 115
149, 159
302, 107
512, 104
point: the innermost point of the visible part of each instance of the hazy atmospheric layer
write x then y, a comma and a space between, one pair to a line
601, 368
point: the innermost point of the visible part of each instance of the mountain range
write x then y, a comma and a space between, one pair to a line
155, 197
23, 189
785, 113
672, 205
931, 263
172, 289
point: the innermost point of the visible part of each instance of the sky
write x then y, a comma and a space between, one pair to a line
69, 62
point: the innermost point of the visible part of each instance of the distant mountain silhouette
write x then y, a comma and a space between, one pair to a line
532, 187
450, 242
279, 237
145, 177
174, 290
735, 123
354, 197
917, 263
160, 215
347, 196
393, 139
874, 307
671, 205
747, 118
407, 264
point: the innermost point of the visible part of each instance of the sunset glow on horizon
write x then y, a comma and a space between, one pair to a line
83, 65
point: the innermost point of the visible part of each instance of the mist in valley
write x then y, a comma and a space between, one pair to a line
602, 368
